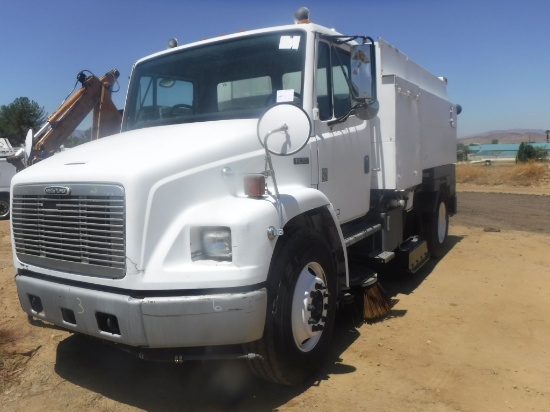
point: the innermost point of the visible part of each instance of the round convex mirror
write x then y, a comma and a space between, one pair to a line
284, 141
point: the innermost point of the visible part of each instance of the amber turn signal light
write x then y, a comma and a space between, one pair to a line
254, 185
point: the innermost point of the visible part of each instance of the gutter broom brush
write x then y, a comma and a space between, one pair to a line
375, 301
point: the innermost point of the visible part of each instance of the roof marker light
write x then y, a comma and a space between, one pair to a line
302, 15
173, 42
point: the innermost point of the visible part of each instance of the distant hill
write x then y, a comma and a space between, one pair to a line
506, 136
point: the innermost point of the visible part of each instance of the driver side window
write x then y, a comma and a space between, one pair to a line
333, 94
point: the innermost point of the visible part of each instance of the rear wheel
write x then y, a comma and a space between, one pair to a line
301, 311
437, 227
4, 207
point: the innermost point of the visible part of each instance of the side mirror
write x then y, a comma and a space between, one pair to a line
363, 73
17, 159
29, 143
363, 80
288, 128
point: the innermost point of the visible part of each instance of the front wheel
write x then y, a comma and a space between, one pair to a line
437, 227
4, 207
301, 311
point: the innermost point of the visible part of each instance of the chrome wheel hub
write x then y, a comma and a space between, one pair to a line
309, 307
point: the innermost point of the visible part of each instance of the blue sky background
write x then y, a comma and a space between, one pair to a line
495, 53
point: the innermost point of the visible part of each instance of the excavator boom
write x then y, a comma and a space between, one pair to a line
95, 94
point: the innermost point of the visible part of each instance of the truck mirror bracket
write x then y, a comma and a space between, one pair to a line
288, 128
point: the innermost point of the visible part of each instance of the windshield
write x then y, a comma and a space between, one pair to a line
232, 79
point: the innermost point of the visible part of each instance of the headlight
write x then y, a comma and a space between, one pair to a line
216, 243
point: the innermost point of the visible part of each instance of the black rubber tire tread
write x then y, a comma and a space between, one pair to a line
431, 221
5, 198
283, 362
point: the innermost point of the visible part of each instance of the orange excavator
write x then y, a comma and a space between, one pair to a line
94, 95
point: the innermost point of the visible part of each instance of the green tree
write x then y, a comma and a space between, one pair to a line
18, 117
541, 154
494, 141
525, 152
462, 152
72, 141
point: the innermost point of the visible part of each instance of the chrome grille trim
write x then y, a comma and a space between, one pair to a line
81, 232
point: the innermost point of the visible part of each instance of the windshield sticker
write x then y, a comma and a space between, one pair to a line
285, 95
289, 42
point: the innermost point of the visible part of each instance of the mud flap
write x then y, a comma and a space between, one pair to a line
413, 253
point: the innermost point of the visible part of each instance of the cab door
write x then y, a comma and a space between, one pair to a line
343, 143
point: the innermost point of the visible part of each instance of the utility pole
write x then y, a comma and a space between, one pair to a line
547, 134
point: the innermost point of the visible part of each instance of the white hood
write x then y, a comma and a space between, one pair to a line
121, 158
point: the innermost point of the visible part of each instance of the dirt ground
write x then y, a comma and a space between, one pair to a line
470, 332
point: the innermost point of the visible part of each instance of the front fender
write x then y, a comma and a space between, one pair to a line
297, 201
248, 220
252, 249
311, 209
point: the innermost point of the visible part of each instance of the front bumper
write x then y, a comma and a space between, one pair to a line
222, 318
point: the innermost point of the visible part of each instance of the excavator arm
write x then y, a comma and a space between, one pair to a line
95, 94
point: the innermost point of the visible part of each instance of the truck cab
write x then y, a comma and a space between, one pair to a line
238, 78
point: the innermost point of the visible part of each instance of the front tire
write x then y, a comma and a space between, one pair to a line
301, 310
4, 207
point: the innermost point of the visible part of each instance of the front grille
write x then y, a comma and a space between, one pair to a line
80, 230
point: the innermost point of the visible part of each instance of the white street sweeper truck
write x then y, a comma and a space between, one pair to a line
259, 182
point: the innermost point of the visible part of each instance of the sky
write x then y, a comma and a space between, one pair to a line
495, 53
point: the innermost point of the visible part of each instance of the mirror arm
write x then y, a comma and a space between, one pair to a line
270, 171
343, 118
290, 127
341, 39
